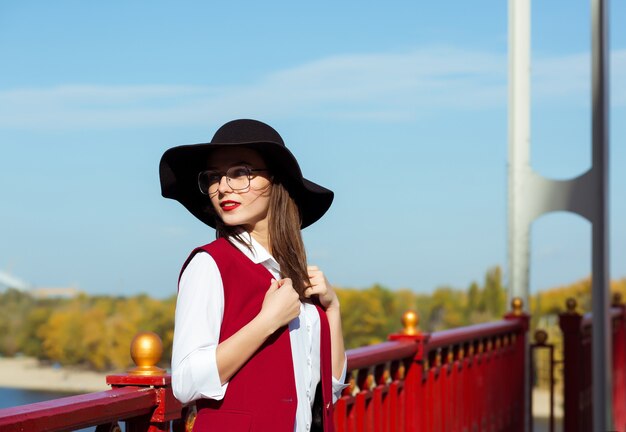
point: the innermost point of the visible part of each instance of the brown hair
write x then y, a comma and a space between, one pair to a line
285, 238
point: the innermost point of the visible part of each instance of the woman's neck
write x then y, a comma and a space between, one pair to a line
260, 233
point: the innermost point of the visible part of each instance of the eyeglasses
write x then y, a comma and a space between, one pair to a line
237, 177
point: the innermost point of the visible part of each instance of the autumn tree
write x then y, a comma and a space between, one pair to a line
494, 294
363, 317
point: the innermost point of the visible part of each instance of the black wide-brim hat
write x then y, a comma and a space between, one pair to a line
179, 168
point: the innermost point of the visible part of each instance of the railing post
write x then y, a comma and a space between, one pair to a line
619, 365
146, 349
541, 339
413, 372
570, 324
518, 381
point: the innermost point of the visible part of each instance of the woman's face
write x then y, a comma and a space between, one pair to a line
246, 207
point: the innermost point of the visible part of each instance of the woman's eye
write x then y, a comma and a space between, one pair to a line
214, 178
238, 172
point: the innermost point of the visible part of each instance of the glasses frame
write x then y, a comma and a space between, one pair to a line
223, 174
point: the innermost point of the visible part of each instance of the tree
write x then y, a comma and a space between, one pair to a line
365, 321
63, 335
447, 309
494, 295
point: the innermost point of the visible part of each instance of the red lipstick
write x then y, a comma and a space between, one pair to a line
229, 205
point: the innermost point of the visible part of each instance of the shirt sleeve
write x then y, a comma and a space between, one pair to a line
338, 384
199, 314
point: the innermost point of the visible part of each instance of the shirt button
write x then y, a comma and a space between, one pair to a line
308, 361
308, 426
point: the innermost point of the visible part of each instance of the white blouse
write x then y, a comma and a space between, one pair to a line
199, 314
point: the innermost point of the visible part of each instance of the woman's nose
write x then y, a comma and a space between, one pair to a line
223, 185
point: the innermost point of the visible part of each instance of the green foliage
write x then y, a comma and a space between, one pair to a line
494, 295
89, 331
365, 322
370, 315
97, 331
37, 317
11, 323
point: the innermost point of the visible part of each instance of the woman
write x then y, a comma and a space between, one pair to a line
256, 329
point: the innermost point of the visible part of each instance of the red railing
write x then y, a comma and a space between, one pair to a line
145, 403
576, 330
142, 398
465, 379
470, 378
412, 382
541, 343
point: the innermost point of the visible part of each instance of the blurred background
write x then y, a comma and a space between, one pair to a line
400, 109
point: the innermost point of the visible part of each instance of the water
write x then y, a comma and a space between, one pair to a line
10, 397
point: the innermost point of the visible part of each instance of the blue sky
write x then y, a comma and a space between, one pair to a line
400, 108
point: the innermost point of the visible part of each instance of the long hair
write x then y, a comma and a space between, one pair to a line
285, 238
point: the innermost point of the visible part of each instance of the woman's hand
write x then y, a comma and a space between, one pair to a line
322, 288
281, 304
330, 302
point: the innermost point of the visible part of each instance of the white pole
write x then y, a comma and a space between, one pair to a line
519, 146
519, 163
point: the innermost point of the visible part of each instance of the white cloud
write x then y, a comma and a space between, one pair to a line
377, 87
567, 79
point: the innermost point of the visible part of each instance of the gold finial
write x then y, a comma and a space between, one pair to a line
461, 353
617, 298
352, 385
369, 382
450, 356
517, 305
386, 376
401, 372
571, 305
146, 350
541, 336
438, 359
111, 427
410, 320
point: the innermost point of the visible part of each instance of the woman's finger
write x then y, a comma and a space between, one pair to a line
317, 275
273, 285
316, 290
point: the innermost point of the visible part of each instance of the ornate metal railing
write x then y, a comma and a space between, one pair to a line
541, 343
142, 398
469, 378
414, 381
576, 330
464, 379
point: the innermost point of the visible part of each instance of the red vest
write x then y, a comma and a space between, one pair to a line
261, 396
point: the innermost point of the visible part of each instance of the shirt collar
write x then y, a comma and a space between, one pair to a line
258, 254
